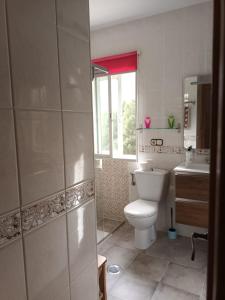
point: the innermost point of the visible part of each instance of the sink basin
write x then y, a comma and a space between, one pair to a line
193, 168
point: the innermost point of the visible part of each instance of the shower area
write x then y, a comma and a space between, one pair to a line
108, 216
112, 175
112, 192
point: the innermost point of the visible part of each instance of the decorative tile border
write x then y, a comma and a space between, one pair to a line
162, 149
170, 150
39, 213
42, 212
79, 194
10, 227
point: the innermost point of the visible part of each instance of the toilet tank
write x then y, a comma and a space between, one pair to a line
152, 185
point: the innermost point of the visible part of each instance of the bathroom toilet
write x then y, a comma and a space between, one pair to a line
142, 213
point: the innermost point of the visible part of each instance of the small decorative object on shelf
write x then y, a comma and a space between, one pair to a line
147, 122
171, 121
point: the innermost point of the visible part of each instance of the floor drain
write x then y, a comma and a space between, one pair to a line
113, 269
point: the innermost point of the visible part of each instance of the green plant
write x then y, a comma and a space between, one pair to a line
129, 128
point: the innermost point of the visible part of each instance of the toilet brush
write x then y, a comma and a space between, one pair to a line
172, 233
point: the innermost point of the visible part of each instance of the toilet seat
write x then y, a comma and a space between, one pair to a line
141, 209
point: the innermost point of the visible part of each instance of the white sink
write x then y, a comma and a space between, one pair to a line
193, 168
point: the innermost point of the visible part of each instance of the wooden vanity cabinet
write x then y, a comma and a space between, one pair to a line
192, 195
192, 212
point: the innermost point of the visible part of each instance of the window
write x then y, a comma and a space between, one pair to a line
101, 115
114, 106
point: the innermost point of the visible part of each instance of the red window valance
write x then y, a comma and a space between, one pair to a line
122, 63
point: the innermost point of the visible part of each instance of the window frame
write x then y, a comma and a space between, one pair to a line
110, 155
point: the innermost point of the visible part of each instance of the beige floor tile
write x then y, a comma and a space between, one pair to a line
110, 297
204, 291
179, 251
187, 279
142, 270
101, 235
120, 256
124, 236
105, 245
147, 267
108, 225
131, 288
164, 292
105, 227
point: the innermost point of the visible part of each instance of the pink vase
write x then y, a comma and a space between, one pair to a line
147, 122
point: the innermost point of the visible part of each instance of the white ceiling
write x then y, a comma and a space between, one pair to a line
104, 13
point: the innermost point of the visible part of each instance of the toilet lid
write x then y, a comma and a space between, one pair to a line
141, 208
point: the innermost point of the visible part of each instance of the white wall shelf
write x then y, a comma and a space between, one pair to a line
161, 128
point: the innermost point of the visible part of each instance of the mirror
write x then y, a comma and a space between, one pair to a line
197, 98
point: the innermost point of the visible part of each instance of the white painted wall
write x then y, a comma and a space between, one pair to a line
172, 46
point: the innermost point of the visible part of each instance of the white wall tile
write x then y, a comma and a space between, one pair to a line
5, 87
34, 62
74, 57
74, 16
78, 139
40, 153
12, 277
85, 285
81, 238
47, 262
8, 165
172, 46
33, 41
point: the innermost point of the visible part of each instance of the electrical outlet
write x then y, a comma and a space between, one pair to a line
156, 142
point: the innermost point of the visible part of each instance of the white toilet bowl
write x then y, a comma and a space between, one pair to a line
142, 214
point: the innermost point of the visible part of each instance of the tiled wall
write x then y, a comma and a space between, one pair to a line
172, 46
47, 206
112, 183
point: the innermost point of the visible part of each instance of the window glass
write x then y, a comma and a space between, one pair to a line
120, 110
101, 116
123, 98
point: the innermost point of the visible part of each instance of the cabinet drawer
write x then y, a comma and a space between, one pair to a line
191, 186
192, 212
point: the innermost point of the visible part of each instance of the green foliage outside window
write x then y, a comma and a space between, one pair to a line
129, 128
